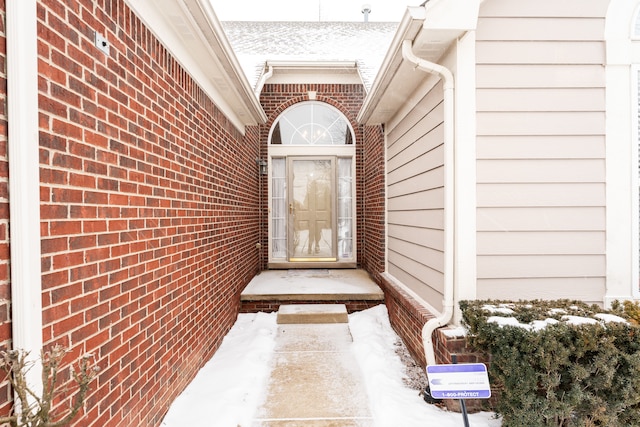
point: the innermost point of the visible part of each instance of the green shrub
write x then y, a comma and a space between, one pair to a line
629, 309
548, 371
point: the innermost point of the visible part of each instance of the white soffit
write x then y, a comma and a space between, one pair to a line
432, 29
190, 30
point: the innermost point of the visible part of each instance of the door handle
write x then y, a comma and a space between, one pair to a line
291, 208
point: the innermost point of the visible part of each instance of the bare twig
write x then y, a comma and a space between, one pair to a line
35, 410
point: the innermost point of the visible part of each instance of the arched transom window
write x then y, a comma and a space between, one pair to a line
311, 123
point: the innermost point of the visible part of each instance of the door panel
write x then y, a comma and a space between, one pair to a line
312, 235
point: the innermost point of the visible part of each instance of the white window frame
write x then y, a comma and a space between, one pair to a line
313, 103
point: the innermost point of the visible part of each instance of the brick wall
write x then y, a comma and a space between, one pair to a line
5, 285
373, 248
407, 317
449, 341
347, 98
149, 207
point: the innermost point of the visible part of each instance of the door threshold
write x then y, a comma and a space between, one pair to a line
309, 265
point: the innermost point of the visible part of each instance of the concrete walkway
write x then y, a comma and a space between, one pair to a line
315, 380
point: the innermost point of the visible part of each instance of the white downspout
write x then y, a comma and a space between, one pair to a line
449, 168
24, 182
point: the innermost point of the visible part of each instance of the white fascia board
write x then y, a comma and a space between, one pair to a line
315, 78
312, 65
331, 72
180, 26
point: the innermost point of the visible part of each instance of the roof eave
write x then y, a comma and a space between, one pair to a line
432, 28
407, 30
192, 33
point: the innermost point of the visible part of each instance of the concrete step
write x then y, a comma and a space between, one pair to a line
312, 313
271, 288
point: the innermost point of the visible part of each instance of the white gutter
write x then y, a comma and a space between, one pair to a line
449, 168
24, 183
265, 76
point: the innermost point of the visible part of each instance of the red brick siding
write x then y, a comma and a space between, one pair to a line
5, 284
347, 98
149, 206
373, 248
407, 317
446, 345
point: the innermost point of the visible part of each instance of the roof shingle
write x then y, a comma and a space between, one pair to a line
255, 43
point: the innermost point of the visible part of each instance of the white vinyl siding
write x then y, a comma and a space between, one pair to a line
541, 149
581, 288
415, 192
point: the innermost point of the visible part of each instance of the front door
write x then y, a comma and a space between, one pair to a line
312, 218
311, 178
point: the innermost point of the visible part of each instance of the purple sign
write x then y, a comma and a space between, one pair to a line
460, 381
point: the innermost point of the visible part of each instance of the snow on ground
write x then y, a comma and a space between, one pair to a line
392, 403
227, 390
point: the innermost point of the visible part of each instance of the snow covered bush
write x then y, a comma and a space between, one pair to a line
558, 363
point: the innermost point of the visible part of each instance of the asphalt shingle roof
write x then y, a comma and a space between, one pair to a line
254, 43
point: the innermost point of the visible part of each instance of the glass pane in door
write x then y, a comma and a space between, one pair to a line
312, 237
345, 208
278, 208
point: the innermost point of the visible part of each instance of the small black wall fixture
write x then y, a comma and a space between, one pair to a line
262, 166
